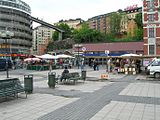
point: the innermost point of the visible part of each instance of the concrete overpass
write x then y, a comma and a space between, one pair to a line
48, 25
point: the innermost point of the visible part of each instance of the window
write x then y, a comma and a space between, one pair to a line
151, 17
156, 63
151, 49
151, 33
150, 4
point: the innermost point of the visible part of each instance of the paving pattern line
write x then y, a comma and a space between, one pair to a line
89, 104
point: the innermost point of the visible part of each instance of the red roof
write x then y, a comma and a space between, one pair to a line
116, 46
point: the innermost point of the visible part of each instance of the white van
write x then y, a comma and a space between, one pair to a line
154, 68
147, 67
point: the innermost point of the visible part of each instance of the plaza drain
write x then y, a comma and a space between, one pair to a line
67, 96
72, 90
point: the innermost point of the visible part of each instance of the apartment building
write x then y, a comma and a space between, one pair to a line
129, 23
102, 22
72, 23
151, 26
41, 37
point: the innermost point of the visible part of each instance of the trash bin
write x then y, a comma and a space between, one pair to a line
51, 79
83, 75
28, 83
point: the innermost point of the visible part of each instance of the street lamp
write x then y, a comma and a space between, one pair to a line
108, 66
6, 35
78, 46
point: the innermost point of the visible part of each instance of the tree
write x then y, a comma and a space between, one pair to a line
61, 44
139, 34
66, 34
115, 23
138, 20
87, 35
139, 30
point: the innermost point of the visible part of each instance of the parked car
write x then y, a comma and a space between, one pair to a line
3, 62
154, 68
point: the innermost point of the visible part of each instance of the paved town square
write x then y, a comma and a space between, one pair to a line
79, 60
121, 97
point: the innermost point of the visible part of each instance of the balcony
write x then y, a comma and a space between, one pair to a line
16, 18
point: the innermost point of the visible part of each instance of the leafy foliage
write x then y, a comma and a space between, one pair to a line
66, 34
87, 35
63, 44
139, 30
115, 23
139, 34
138, 20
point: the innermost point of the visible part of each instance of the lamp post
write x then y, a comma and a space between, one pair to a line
107, 53
78, 46
6, 35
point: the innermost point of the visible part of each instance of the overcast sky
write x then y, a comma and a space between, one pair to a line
54, 10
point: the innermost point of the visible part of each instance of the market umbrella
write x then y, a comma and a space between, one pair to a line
47, 56
130, 55
64, 56
31, 59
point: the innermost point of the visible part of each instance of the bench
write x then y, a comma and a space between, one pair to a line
11, 87
68, 77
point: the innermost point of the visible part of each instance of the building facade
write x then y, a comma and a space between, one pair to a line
72, 23
151, 26
41, 37
102, 22
15, 17
115, 48
100, 51
130, 24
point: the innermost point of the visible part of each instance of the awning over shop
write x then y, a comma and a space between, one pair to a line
102, 55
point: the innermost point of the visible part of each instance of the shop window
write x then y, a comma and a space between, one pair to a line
156, 63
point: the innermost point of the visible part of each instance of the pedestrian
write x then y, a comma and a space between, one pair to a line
82, 65
94, 65
97, 65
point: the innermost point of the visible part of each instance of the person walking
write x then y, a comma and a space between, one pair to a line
94, 65
97, 65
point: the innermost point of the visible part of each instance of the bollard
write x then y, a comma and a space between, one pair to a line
51, 79
28, 83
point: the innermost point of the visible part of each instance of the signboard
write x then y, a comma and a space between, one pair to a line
106, 51
131, 7
84, 49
